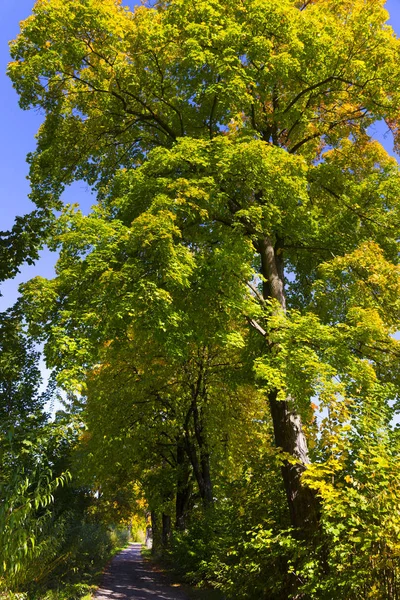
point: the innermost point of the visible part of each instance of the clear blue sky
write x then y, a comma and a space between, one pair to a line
18, 130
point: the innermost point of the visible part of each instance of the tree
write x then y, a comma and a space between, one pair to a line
233, 135
20, 375
28, 446
23, 242
173, 411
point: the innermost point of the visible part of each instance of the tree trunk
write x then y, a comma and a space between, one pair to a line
201, 470
302, 502
303, 505
206, 484
199, 456
155, 533
183, 486
166, 531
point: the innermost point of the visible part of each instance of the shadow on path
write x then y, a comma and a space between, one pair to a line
129, 576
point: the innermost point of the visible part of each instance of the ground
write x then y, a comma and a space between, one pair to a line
130, 576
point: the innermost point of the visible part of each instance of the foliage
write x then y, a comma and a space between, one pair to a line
50, 542
242, 253
27, 495
240, 547
75, 574
27, 481
23, 242
46, 534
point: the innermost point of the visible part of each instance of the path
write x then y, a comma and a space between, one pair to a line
130, 577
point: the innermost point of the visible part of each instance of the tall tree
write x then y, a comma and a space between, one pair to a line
227, 129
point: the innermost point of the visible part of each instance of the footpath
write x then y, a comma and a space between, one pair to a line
130, 577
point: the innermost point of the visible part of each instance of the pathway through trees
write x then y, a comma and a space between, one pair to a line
129, 577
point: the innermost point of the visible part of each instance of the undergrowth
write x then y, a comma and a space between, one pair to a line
82, 558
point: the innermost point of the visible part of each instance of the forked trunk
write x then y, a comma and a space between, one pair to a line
196, 445
201, 470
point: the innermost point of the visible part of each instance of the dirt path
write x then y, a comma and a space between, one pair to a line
131, 577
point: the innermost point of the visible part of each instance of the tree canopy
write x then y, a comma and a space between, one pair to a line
236, 285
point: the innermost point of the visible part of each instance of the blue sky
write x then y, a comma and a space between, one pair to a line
18, 130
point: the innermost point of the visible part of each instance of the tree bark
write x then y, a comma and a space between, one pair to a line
302, 502
201, 470
166, 531
156, 537
198, 454
289, 435
207, 490
183, 486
